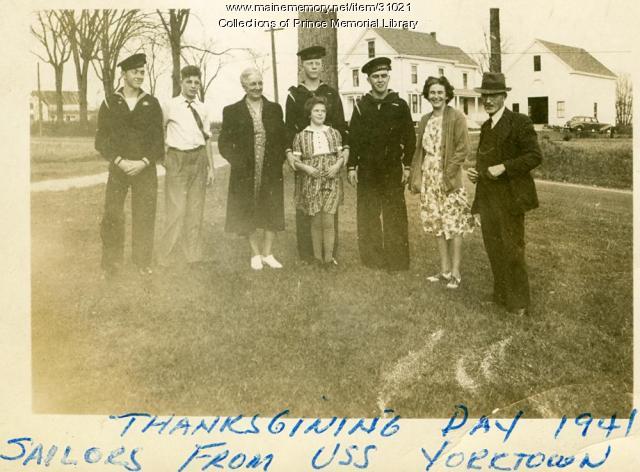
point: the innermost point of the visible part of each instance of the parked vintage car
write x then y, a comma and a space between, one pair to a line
586, 123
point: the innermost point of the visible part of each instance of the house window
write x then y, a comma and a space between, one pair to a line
356, 78
465, 80
595, 110
371, 47
560, 109
414, 74
440, 71
415, 103
536, 64
465, 105
515, 108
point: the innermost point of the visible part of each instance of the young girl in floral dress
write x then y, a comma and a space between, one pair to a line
319, 193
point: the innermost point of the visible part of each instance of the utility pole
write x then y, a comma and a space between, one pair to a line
495, 61
39, 104
274, 62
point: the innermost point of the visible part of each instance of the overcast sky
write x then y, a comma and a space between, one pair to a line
605, 27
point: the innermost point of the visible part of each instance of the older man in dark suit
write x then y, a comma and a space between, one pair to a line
507, 152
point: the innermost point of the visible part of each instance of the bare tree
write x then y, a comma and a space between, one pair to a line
258, 60
175, 23
48, 32
624, 101
81, 29
157, 61
117, 27
202, 56
483, 58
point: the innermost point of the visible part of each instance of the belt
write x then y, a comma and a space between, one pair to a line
171, 148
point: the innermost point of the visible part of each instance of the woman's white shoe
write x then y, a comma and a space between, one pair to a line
271, 262
256, 262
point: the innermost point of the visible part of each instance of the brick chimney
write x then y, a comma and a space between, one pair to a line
433, 35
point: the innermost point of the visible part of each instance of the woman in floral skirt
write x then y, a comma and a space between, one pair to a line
436, 172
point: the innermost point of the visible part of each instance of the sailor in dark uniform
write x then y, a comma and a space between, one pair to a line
383, 140
130, 137
296, 120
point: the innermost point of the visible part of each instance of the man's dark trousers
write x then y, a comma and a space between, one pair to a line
503, 236
144, 187
383, 239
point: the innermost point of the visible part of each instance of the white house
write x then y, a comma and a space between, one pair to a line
552, 82
415, 56
70, 105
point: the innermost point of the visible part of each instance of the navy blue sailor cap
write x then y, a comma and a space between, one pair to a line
312, 52
133, 62
376, 64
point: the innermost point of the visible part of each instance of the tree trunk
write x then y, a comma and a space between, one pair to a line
82, 94
327, 37
59, 99
78, 69
175, 41
108, 77
175, 73
107, 71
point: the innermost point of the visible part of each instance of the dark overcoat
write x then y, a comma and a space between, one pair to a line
246, 211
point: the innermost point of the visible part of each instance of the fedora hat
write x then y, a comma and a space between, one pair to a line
492, 82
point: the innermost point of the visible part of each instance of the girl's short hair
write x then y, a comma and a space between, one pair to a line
312, 102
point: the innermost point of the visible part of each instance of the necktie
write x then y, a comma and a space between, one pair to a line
198, 120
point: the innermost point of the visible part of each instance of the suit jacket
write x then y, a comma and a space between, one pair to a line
518, 149
246, 211
455, 150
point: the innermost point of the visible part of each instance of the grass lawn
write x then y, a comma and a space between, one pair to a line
602, 162
590, 161
227, 340
57, 158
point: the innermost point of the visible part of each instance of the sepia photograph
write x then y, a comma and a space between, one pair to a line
362, 210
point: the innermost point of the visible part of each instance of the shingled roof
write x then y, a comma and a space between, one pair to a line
577, 58
413, 43
49, 97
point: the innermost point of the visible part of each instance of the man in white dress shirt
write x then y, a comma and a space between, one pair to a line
189, 166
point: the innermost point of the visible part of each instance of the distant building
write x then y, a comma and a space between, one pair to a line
415, 56
552, 82
70, 106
